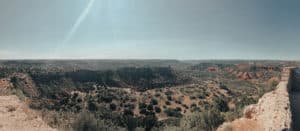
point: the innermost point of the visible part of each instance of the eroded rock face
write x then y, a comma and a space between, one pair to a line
271, 113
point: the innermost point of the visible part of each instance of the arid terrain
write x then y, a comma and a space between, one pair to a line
15, 115
131, 94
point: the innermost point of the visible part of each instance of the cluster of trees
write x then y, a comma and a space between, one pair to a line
5, 72
204, 66
198, 121
147, 78
141, 78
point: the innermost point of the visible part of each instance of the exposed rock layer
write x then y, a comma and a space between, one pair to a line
271, 113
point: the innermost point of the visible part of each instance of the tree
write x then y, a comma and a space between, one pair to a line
86, 121
207, 120
149, 121
130, 122
221, 105
154, 102
113, 106
157, 109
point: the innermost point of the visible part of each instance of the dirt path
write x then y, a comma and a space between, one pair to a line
16, 116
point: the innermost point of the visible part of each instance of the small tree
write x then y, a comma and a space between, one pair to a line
149, 121
113, 106
154, 102
157, 109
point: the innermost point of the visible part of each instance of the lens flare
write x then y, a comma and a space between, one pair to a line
74, 28
78, 22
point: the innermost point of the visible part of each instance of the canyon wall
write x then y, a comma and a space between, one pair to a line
271, 113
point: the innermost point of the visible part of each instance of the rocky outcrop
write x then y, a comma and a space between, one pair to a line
271, 113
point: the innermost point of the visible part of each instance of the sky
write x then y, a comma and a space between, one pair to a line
150, 29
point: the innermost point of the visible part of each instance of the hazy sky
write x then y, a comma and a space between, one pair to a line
168, 29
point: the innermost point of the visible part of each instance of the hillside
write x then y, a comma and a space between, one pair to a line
15, 115
152, 97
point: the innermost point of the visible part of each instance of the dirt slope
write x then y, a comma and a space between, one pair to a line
16, 116
271, 113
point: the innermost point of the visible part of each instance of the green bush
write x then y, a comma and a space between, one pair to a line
130, 122
154, 102
92, 106
157, 109
169, 97
113, 106
208, 120
173, 112
157, 95
221, 105
150, 107
87, 122
142, 105
149, 122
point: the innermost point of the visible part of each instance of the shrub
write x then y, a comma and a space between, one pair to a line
168, 93
172, 112
154, 102
92, 106
149, 122
178, 109
128, 112
143, 111
201, 95
221, 105
113, 106
150, 113
185, 106
157, 95
193, 105
178, 102
87, 122
169, 98
107, 98
195, 109
130, 122
129, 106
157, 109
192, 97
208, 120
19, 93
150, 107
211, 119
168, 103
142, 105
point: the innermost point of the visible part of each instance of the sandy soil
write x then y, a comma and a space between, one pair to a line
16, 116
243, 124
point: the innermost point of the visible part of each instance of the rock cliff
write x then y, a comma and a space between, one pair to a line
271, 113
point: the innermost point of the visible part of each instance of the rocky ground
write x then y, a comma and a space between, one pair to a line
271, 113
16, 116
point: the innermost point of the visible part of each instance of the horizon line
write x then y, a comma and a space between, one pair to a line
220, 59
